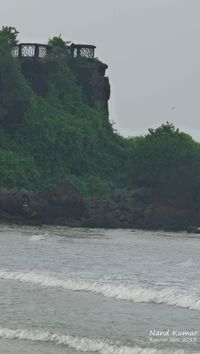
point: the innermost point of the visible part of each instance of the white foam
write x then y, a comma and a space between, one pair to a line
82, 344
168, 296
38, 237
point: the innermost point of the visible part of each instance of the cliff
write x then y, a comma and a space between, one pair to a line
54, 123
55, 130
89, 75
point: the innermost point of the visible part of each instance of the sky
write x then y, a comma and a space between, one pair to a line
152, 48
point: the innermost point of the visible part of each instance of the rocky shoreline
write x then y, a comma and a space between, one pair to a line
64, 206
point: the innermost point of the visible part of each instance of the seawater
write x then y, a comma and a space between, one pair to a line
66, 290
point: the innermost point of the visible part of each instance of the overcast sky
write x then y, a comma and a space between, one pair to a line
152, 48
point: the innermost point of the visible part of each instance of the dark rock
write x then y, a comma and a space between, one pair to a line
193, 230
64, 205
168, 217
117, 195
130, 219
122, 217
112, 205
11, 203
33, 222
50, 214
116, 213
65, 195
26, 194
65, 201
101, 220
95, 85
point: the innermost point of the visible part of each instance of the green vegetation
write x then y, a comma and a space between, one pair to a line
169, 162
48, 137
45, 139
9, 34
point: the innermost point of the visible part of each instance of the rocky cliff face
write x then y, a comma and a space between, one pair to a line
89, 74
37, 72
91, 77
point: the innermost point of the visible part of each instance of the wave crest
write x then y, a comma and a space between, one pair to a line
168, 296
83, 344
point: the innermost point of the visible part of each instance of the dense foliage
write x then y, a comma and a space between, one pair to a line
169, 162
45, 139
56, 135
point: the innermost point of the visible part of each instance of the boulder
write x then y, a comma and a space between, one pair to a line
66, 200
168, 217
193, 230
11, 202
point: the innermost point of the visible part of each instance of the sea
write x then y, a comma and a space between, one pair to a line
74, 290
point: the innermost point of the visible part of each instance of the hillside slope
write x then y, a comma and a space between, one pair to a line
54, 124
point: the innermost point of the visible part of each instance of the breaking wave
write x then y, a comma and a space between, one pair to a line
168, 296
37, 238
82, 344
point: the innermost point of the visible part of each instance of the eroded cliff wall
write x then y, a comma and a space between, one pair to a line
90, 75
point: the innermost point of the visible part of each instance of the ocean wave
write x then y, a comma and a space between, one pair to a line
82, 344
168, 296
37, 237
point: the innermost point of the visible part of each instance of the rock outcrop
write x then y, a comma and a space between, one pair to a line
91, 77
62, 205
65, 206
89, 74
169, 217
123, 209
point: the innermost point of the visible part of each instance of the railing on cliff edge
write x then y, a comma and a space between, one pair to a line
37, 50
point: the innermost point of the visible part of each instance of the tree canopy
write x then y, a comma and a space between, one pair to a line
9, 34
168, 161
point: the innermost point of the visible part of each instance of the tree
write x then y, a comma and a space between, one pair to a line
9, 34
57, 42
167, 161
58, 46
